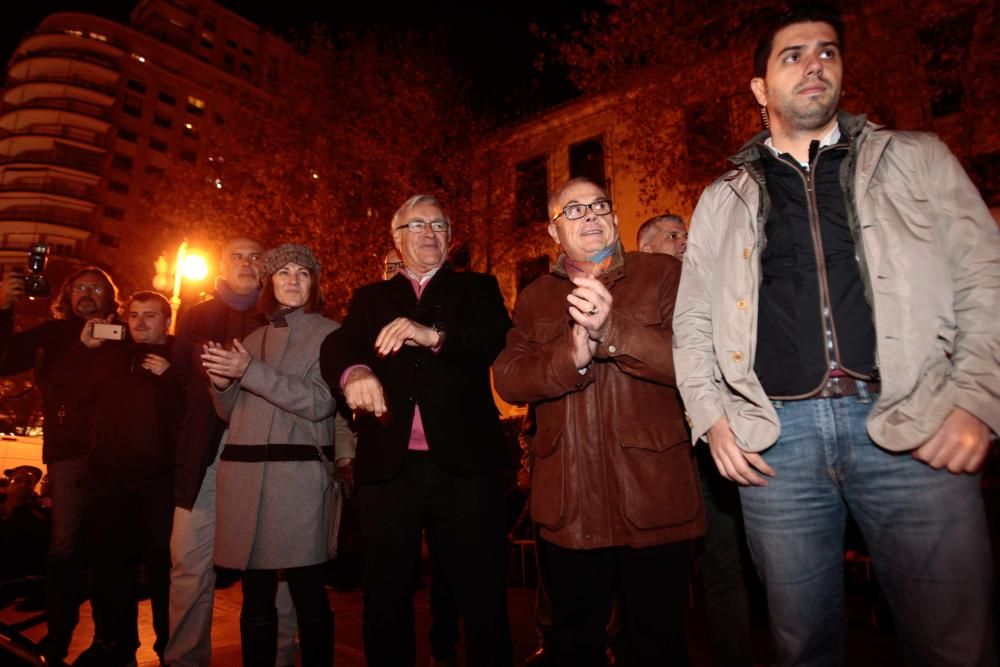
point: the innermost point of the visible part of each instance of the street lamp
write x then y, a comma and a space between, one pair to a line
189, 265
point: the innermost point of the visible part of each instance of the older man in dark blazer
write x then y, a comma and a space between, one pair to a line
412, 359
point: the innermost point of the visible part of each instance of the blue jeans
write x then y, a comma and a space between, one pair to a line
925, 529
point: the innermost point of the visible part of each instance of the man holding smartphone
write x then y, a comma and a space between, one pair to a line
53, 350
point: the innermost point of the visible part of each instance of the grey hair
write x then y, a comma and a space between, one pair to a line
554, 198
647, 228
414, 201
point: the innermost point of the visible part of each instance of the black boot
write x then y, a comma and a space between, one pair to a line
259, 640
316, 641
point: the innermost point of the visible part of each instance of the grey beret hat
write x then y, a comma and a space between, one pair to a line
276, 258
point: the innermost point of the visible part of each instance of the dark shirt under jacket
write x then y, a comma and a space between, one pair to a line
201, 428
807, 267
136, 413
53, 349
451, 386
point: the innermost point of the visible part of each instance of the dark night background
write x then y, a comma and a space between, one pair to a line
490, 42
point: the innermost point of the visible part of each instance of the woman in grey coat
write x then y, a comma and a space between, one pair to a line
271, 502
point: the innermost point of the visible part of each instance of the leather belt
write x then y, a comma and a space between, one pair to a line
261, 453
844, 385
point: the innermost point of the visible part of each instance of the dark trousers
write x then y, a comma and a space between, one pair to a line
259, 618
444, 633
129, 523
652, 584
64, 567
720, 559
466, 514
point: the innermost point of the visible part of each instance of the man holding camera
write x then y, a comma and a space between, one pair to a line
53, 350
137, 409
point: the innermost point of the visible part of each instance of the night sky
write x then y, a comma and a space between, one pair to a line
489, 41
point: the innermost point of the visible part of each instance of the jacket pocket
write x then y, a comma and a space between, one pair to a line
548, 480
657, 473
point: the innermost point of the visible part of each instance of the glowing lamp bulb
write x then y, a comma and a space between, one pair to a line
195, 267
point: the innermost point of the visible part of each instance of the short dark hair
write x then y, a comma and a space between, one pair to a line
268, 304
62, 306
648, 227
806, 13
146, 296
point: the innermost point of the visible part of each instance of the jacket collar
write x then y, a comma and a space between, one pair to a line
854, 128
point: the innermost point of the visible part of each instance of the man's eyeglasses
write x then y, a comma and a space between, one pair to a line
577, 211
81, 288
416, 226
392, 267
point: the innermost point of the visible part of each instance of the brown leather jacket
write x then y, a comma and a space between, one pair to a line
613, 466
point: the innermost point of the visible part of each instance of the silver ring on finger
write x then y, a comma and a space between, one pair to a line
592, 311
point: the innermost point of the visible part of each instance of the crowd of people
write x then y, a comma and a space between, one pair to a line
823, 333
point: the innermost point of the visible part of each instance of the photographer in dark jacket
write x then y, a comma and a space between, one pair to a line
137, 408
53, 350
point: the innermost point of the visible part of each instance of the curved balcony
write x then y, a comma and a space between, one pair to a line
107, 61
90, 137
60, 103
52, 185
53, 158
46, 213
67, 79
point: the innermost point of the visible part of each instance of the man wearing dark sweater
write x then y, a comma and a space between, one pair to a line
52, 349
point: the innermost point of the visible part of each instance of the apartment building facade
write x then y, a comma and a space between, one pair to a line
91, 108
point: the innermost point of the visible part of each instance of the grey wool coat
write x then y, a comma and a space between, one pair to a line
274, 514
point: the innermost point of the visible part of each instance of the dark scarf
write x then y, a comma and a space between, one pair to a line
240, 302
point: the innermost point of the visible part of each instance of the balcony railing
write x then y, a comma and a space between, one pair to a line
58, 186
71, 79
61, 103
110, 62
53, 157
45, 213
61, 131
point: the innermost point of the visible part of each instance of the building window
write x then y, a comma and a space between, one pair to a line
947, 45
123, 162
127, 135
196, 106
231, 44
108, 240
190, 131
586, 160
114, 212
228, 62
248, 52
118, 186
189, 156
531, 190
167, 98
245, 70
210, 23
163, 120
157, 145
132, 111
132, 105
219, 120
153, 170
137, 86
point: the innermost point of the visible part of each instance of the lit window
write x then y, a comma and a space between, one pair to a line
195, 102
138, 57
98, 37
75, 33
315, 175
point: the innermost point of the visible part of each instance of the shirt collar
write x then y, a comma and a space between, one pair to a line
832, 137
422, 279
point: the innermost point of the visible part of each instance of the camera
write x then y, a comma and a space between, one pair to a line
35, 284
104, 331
